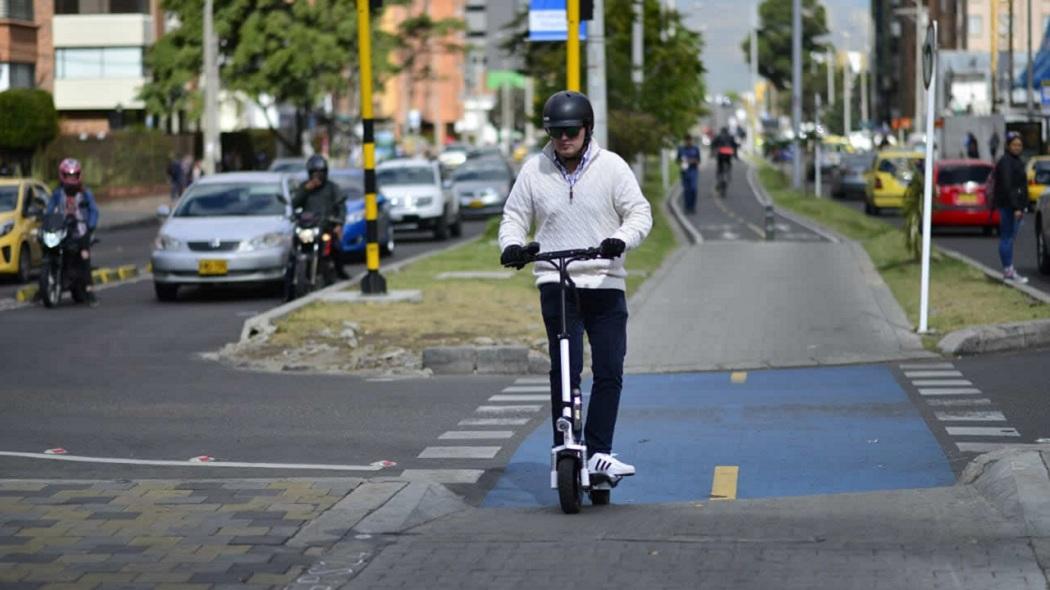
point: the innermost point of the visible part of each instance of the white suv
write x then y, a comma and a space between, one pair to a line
418, 199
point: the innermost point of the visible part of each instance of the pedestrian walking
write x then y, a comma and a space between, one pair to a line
993, 144
688, 159
972, 150
176, 177
1011, 200
579, 195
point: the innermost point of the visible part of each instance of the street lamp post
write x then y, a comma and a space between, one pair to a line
796, 92
373, 283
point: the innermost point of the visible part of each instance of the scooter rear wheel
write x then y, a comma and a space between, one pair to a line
600, 497
569, 484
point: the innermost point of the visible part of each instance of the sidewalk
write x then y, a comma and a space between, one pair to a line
122, 213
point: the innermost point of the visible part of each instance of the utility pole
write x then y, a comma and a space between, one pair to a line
847, 95
373, 283
637, 63
1031, 79
530, 96
596, 73
994, 21
796, 93
864, 114
572, 62
1010, 57
830, 57
920, 32
506, 115
753, 134
212, 147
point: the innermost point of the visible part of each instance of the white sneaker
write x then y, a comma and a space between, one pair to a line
1010, 276
609, 465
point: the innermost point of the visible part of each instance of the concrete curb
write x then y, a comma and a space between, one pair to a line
485, 360
996, 338
1016, 482
101, 276
995, 275
263, 323
671, 203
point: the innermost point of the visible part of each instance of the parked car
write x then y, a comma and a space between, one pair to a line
351, 183
848, 178
960, 195
22, 205
291, 165
482, 186
888, 179
1042, 233
418, 199
226, 228
1038, 168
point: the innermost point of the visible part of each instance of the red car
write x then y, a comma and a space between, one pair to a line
960, 194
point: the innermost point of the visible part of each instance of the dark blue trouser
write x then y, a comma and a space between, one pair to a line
603, 314
690, 179
1008, 228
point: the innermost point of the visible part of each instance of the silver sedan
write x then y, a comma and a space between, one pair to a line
226, 228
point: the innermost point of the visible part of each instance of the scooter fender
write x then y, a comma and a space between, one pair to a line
578, 451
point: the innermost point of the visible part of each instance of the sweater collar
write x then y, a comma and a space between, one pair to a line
588, 157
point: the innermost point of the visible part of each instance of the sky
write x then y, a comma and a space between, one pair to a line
725, 23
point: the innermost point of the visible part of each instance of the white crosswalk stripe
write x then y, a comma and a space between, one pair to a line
927, 374
942, 383
446, 476
966, 401
982, 431
527, 389
476, 434
525, 397
508, 409
459, 452
533, 381
493, 422
972, 416
949, 391
922, 366
975, 447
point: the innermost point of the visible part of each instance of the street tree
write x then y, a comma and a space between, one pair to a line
28, 121
774, 39
641, 121
421, 38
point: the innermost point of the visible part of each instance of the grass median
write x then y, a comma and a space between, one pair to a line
960, 295
454, 311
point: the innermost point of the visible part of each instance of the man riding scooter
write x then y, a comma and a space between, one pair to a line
74, 200
320, 197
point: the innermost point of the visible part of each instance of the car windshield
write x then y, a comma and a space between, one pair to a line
963, 174
481, 173
8, 198
221, 200
902, 168
288, 166
405, 175
1042, 172
351, 187
858, 161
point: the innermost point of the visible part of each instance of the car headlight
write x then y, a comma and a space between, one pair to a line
423, 201
270, 240
355, 217
489, 195
6, 228
165, 242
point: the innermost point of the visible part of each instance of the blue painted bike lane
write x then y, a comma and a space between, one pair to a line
790, 432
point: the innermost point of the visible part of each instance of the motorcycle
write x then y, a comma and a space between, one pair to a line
61, 268
310, 263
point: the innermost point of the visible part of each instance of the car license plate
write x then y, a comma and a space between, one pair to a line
211, 267
476, 204
967, 199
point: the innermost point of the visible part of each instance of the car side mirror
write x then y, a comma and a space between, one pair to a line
163, 212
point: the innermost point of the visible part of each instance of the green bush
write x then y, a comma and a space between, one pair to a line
27, 119
911, 211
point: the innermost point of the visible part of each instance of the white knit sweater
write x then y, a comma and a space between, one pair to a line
606, 203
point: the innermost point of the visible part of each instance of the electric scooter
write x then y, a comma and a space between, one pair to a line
569, 473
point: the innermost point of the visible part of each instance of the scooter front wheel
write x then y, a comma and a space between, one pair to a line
569, 484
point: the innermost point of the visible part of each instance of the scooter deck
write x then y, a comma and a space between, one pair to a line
603, 482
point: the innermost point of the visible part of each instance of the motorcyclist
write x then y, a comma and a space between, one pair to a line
579, 195
74, 200
724, 147
321, 198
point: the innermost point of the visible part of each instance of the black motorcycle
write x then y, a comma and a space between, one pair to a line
310, 263
62, 269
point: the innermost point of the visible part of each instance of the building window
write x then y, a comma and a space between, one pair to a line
101, 6
975, 26
16, 75
17, 9
98, 62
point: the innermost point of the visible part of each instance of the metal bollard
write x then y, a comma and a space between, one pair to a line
771, 223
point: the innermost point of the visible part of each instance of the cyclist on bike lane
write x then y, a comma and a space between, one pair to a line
580, 195
724, 147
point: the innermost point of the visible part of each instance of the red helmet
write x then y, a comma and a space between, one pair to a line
69, 173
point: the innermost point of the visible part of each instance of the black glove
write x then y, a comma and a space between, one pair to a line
518, 256
611, 248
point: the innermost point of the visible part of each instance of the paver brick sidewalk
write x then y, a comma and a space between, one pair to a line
159, 534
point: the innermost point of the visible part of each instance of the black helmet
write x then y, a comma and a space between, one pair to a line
316, 163
568, 109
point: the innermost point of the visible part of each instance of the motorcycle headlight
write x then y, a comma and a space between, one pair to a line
6, 228
165, 242
423, 201
52, 239
308, 235
265, 241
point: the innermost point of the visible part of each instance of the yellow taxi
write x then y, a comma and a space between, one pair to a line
1038, 169
22, 204
888, 179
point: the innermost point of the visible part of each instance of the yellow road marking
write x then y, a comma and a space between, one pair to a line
738, 377
723, 486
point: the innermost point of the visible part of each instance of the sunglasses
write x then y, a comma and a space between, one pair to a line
567, 132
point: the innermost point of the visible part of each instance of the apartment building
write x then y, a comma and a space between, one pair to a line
25, 44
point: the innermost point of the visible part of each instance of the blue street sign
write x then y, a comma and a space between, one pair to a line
548, 21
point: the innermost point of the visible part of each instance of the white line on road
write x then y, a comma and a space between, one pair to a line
459, 452
527, 389
970, 447
508, 409
533, 381
981, 431
974, 416
918, 374
966, 401
377, 466
948, 391
469, 476
537, 397
921, 366
475, 434
493, 422
942, 383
